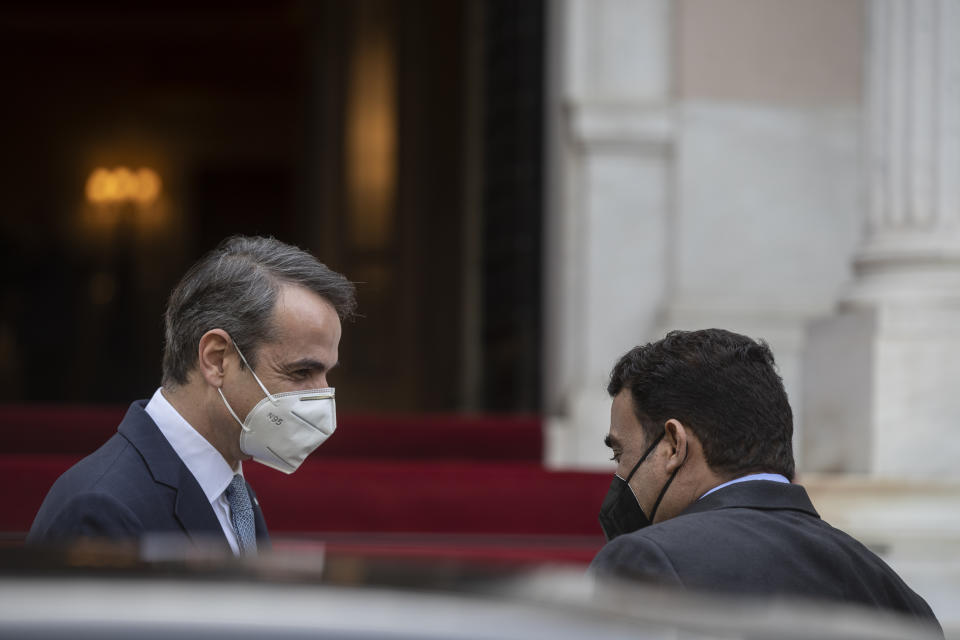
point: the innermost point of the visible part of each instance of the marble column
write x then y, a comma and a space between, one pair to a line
609, 147
882, 376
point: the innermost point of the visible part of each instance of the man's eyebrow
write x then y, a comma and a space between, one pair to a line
611, 442
308, 363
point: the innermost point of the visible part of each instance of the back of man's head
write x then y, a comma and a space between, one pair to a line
722, 386
235, 288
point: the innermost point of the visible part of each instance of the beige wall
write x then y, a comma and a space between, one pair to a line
770, 51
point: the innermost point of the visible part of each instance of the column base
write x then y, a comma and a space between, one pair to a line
882, 391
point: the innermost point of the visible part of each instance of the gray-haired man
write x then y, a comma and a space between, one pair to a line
252, 330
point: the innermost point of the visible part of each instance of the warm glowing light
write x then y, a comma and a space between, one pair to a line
126, 183
371, 136
148, 185
122, 184
97, 185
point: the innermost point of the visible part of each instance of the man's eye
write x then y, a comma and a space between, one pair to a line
301, 373
615, 457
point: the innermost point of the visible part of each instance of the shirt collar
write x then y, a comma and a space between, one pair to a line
773, 477
212, 472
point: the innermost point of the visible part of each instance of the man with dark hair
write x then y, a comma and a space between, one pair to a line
703, 498
252, 330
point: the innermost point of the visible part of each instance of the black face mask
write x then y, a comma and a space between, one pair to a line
620, 512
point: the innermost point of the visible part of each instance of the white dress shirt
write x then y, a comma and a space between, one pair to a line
774, 477
205, 463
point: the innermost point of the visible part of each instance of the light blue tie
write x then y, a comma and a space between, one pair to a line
241, 515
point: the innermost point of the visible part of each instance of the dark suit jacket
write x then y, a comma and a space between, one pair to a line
759, 537
132, 487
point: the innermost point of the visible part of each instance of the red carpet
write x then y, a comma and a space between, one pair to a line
448, 487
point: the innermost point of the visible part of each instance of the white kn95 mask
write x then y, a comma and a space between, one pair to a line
284, 428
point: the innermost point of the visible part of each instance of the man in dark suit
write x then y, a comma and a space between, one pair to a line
701, 431
252, 331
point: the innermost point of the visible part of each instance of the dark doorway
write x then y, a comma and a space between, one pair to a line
398, 141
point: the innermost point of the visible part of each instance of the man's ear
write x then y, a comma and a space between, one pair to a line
676, 436
212, 351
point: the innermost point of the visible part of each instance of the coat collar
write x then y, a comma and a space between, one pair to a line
756, 494
191, 507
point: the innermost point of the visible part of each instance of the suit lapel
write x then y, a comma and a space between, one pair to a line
263, 538
194, 512
191, 508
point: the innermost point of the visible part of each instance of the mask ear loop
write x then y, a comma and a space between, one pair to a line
263, 388
663, 491
230, 409
644, 456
